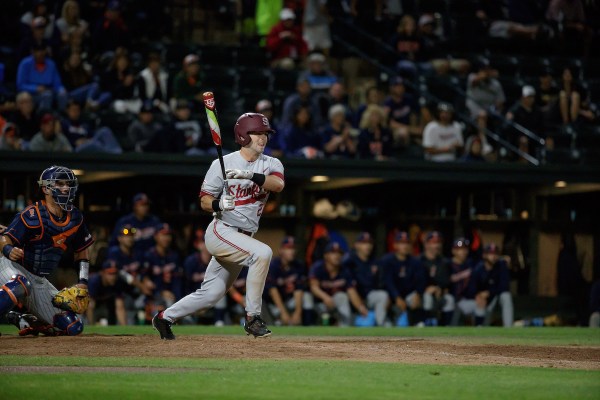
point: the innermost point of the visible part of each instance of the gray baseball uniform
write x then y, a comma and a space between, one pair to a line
229, 238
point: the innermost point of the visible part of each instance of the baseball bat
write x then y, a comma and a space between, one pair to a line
211, 113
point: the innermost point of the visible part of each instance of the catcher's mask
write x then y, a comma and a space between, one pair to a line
62, 183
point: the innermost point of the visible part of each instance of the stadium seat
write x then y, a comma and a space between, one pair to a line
218, 55
252, 56
253, 79
217, 77
284, 80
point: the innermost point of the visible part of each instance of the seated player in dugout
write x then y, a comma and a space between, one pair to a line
107, 289
32, 246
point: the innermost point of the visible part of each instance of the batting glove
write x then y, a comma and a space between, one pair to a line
227, 202
238, 174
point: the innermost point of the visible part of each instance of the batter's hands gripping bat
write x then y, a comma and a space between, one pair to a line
211, 113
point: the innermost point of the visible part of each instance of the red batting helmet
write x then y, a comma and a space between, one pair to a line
250, 122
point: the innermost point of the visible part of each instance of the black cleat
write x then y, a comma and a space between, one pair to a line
254, 325
163, 327
25, 323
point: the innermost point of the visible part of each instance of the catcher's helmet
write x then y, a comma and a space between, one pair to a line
49, 177
68, 323
250, 122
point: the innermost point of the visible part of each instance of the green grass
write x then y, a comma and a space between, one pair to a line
193, 378
496, 335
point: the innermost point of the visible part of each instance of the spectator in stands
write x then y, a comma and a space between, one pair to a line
75, 44
443, 137
526, 113
142, 221
274, 147
318, 74
35, 37
547, 94
434, 50
334, 287
497, 24
40, 10
24, 116
301, 139
83, 138
436, 296
302, 97
339, 137
335, 95
491, 278
368, 276
373, 96
409, 47
375, 141
316, 21
38, 75
484, 91
194, 267
401, 110
184, 134
106, 290
402, 272
474, 150
70, 20
285, 43
188, 82
119, 81
111, 31
289, 301
575, 33
78, 79
145, 131
10, 139
50, 138
153, 83
569, 97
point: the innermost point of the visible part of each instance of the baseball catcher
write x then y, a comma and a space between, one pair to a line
32, 246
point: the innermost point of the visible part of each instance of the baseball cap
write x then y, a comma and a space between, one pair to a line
127, 230
491, 248
48, 117
401, 236
147, 106
288, 242
110, 267
263, 105
38, 22
445, 107
334, 247
141, 198
425, 19
163, 228
286, 13
191, 59
364, 237
433, 236
316, 57
397, 80
182, 103
528, 91
461, 242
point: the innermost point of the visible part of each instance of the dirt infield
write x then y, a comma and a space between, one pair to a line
400, 350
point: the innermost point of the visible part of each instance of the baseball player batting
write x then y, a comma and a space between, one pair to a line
32, 246
236, 201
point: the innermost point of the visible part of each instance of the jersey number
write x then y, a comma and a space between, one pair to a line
260, 209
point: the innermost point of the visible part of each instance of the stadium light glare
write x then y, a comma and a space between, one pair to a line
319, 178
560, 184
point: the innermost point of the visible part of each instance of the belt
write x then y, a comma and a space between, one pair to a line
240, 230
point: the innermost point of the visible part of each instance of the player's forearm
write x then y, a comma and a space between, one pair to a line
206, 203
90, 312
318, 292
298, 294
120, 311
273, 184
356, 300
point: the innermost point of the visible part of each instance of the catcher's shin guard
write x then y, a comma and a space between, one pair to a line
68, 323
13, 292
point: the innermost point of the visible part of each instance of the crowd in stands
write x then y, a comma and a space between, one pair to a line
98, 77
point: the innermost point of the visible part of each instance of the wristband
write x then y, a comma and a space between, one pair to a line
7, 249
84, 271
215, 206
259, 179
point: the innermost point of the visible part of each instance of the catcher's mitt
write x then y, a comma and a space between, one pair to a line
73, 298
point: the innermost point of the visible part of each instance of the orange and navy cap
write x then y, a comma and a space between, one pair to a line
110, 267
402, 237
364, 237
141, 198
491, 248
334, 247
164, 228
288, 242
434, 236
